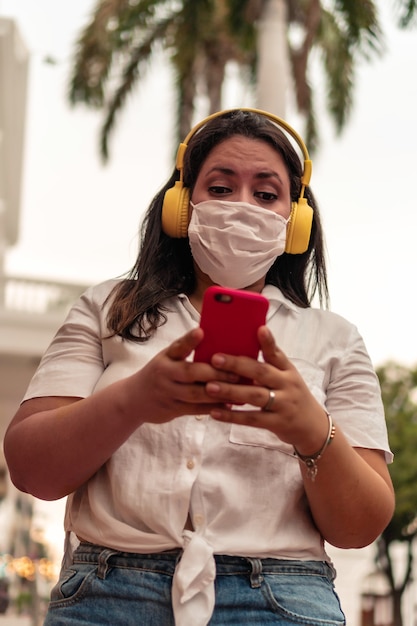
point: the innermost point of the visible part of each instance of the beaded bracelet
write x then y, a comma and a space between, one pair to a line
310, 460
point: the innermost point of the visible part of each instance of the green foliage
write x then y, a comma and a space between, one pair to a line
339, 68
116, 47
201, 36
24, 601
241, 19
361, 24
399, 394
407, 13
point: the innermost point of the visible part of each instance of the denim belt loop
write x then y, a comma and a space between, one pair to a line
256, 578
103, 564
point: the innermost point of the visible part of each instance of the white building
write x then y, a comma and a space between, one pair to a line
30, 310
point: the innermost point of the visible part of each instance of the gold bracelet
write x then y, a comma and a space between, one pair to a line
310, 460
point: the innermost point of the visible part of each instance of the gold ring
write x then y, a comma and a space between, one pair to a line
270, 402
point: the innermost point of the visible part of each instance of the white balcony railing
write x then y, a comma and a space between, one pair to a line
37, 296
31, 310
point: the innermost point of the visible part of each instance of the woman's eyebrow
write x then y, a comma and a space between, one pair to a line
269, 174
222, 169
230, 172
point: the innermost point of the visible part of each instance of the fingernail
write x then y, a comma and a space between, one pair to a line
218, 359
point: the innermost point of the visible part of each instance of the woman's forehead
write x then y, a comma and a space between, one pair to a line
244, 152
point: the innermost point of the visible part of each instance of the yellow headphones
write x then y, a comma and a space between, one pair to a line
175, 208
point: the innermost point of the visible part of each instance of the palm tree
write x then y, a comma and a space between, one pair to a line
338, 39
118, 44
202, 36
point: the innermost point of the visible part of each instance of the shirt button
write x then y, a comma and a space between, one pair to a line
199, 417
190, 464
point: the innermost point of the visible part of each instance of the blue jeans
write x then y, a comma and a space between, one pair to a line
105, 587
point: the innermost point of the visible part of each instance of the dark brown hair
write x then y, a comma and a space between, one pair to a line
164, 266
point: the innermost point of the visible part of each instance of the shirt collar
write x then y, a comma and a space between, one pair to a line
274, 295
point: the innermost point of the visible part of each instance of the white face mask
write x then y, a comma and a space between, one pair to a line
235, 243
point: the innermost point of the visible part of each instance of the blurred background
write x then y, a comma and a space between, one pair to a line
68, 219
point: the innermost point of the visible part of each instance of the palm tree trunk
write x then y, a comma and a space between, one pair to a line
273, 59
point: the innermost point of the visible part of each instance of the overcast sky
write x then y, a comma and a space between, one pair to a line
79, 219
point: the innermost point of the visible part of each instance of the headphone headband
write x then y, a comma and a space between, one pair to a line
306, 176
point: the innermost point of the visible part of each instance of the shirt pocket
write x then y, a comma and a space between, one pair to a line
258, 437
313, 376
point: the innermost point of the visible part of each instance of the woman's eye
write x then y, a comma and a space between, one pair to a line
266, 196
219, 189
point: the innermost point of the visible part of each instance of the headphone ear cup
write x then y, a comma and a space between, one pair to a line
299, 227
175, 209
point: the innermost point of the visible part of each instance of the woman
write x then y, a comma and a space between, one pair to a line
193, 499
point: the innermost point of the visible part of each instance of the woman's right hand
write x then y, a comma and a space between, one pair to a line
170, 386
55, 444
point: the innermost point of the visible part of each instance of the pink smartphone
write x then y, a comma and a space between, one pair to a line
230, 319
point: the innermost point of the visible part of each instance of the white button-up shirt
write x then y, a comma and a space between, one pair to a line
241, 485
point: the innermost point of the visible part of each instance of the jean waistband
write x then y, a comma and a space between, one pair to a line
107, 558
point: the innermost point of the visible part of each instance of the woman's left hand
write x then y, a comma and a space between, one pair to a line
280, 399
352, 499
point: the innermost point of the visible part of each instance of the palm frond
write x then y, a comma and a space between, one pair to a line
137, 62
311, 132
241, 22
407, 10
94, 54
360, 22
339, 66
114, 28
191, 28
